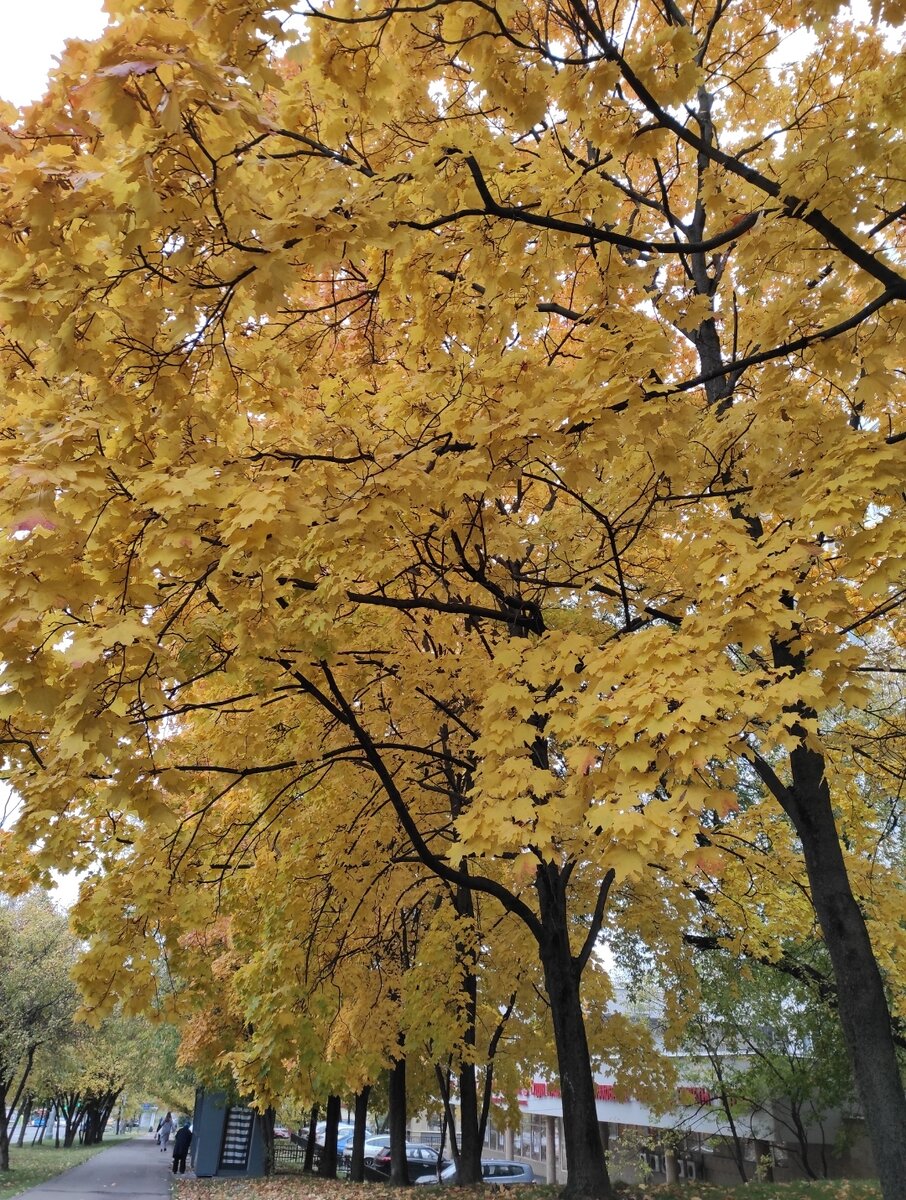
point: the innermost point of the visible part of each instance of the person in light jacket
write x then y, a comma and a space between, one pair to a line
163, 1134
181, 1143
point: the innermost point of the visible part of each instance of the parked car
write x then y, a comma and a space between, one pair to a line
374, 1142
344, 1135
419, 1160
497, 1171
321, 1128
280, 1131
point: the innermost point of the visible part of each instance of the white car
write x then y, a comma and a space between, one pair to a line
497, 1171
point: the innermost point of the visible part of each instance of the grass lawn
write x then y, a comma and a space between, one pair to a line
295, 1187
801, 1189
34, 1164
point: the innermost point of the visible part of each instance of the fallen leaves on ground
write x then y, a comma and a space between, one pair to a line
281, 1187
295, 1187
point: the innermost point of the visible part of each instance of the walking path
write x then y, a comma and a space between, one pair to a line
133, 1170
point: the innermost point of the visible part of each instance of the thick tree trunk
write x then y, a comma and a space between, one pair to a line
470, 1136
91, 1124
268, 1119
357, 1165
862, 1003
863, 1009
399, 1171
73, 1115
328, 1164
98, 1116
586, 1171
469, 1132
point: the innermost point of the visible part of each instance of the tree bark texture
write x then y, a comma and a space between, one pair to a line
328, 1164
469, 1131
586, 1171
4, 1135
309, 1163
399, 1171
862, 1003
357, 1163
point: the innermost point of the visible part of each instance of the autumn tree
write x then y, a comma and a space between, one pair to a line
305, 973
93, 1069
501, 402
37, 997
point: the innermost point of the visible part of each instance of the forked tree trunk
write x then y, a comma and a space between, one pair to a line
448, 1124
469, 1132
802, 1141
586, 1170
38, 1139
90, 1123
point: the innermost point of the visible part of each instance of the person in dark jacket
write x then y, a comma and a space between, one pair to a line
181, 1144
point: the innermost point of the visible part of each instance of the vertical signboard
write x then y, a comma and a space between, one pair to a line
237, 1139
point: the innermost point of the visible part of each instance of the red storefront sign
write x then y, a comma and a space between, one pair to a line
540, 1090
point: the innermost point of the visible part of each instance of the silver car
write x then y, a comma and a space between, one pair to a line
497, 1171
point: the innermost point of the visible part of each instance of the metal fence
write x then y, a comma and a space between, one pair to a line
289, 1157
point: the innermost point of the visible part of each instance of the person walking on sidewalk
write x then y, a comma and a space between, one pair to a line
181, 1143
163, 1134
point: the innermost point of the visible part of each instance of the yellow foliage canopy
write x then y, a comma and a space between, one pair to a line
499, 407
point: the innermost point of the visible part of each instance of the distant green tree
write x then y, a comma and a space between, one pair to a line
767, 1044
159, 1074
100, 1063
37, 996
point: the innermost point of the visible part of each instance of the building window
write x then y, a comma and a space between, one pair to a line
531, 1140
493, 1136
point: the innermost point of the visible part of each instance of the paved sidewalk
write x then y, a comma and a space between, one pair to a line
130, 1170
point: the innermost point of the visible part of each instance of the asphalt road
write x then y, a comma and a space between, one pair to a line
132, 1170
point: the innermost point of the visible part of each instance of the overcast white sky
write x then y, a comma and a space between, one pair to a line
32, 33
